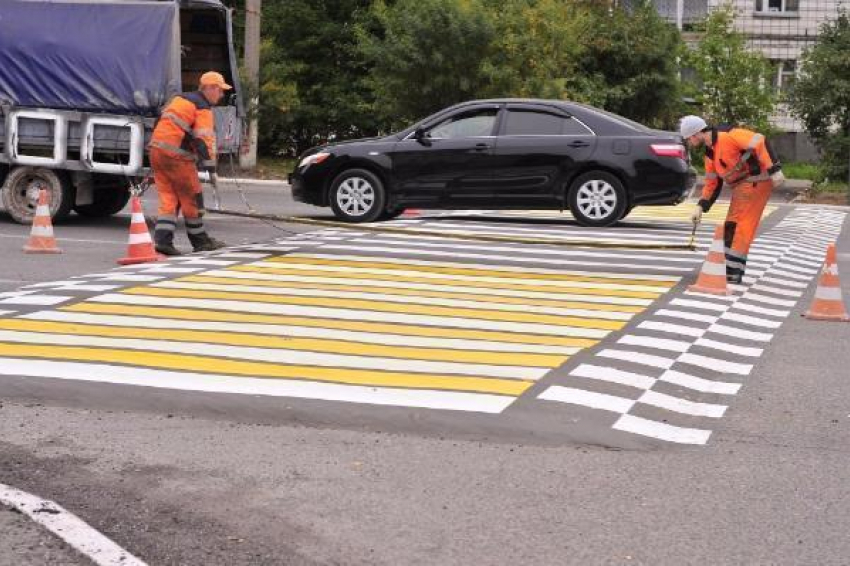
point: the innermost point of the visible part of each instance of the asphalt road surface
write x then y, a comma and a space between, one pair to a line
320, 395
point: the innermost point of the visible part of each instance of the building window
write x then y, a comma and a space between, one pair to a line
783, 78
777, 6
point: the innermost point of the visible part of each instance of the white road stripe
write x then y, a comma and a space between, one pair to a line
718, 328
684, 406
350, 314
703, 305
740, 305
784, 282
285, 330
715, 364
427, 399
698, 383
637, 358
656, 343
68, 527
587, 399
751, 320
351, 282
661, 431
590, 371
95, 288
672, 328
731, 348
751, 296
279, 356
560, 233
774, 291
479, 266
521, 258
41, 300
686, 315
478, 303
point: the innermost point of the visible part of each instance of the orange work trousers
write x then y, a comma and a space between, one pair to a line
742, 222
177, 184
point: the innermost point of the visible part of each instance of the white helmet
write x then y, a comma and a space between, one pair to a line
691, 125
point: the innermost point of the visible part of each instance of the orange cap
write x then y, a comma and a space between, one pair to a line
214, 79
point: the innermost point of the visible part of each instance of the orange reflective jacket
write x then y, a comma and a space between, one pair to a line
735, 156
186, 129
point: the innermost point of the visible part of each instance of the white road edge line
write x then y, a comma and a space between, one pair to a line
70, 528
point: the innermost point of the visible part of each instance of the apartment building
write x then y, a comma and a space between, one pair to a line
780, 29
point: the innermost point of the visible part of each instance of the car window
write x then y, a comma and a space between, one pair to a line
534, 123
467, 125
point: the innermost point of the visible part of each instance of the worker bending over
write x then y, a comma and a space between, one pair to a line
741, 159
182, 141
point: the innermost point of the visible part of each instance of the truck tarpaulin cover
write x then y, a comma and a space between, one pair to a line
117, 57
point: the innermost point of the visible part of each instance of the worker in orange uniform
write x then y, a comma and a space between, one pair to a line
184, 140
741, 159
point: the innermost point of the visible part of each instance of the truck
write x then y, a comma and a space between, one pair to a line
82, 83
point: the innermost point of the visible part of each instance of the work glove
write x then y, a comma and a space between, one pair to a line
696, 215
778, 179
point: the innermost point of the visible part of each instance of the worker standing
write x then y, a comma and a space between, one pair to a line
184, 140
742, 159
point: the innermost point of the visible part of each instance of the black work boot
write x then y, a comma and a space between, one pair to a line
204, 243
166, 247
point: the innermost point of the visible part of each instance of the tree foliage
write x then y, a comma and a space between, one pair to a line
820, 96
736, 83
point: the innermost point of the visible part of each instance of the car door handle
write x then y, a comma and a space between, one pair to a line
480, 147
578, 143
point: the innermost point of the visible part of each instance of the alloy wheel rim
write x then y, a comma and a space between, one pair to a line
596, 199
355, 196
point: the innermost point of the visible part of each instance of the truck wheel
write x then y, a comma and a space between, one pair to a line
110, 197
20, 193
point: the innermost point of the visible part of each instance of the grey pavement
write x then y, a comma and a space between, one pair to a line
206, 481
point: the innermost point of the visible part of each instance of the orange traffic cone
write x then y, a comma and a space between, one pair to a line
712, 277
139, 245
41, 237
828, 304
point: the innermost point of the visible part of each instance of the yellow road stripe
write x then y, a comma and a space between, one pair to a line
554, 290
182, 362
388, 328
284, 343
413, 293
459, 270
377, 306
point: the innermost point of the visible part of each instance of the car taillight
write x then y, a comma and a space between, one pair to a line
669, 150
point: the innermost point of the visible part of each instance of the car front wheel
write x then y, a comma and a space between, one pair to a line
597, 199
357, 195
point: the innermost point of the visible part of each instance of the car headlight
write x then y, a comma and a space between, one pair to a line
314, 159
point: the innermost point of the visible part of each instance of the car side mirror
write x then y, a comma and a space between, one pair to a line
422, 137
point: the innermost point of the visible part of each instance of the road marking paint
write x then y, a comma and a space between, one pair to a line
253, 333
586, 398
637, 358
715, 364
477, 303
544, 286
751, 320
672, 328
784, 282
740, 305
40, 300
448, 316
698, 383
611, 375
321, 323
730, 348
218, 383
656, 343
718, 328
751, 296
157, 268
661, 431
678, 405
686, 315
201, 364
68, 527
702, 305
774, 291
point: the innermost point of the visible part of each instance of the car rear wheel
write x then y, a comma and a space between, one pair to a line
597, 199
357, 195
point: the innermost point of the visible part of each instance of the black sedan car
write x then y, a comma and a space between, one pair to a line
501, 154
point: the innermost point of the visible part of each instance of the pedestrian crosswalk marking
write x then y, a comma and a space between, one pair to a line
449, 314
245, 338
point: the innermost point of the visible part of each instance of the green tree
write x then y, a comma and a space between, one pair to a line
313, 79
736, 83
820, 96
425, 55
630, 64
